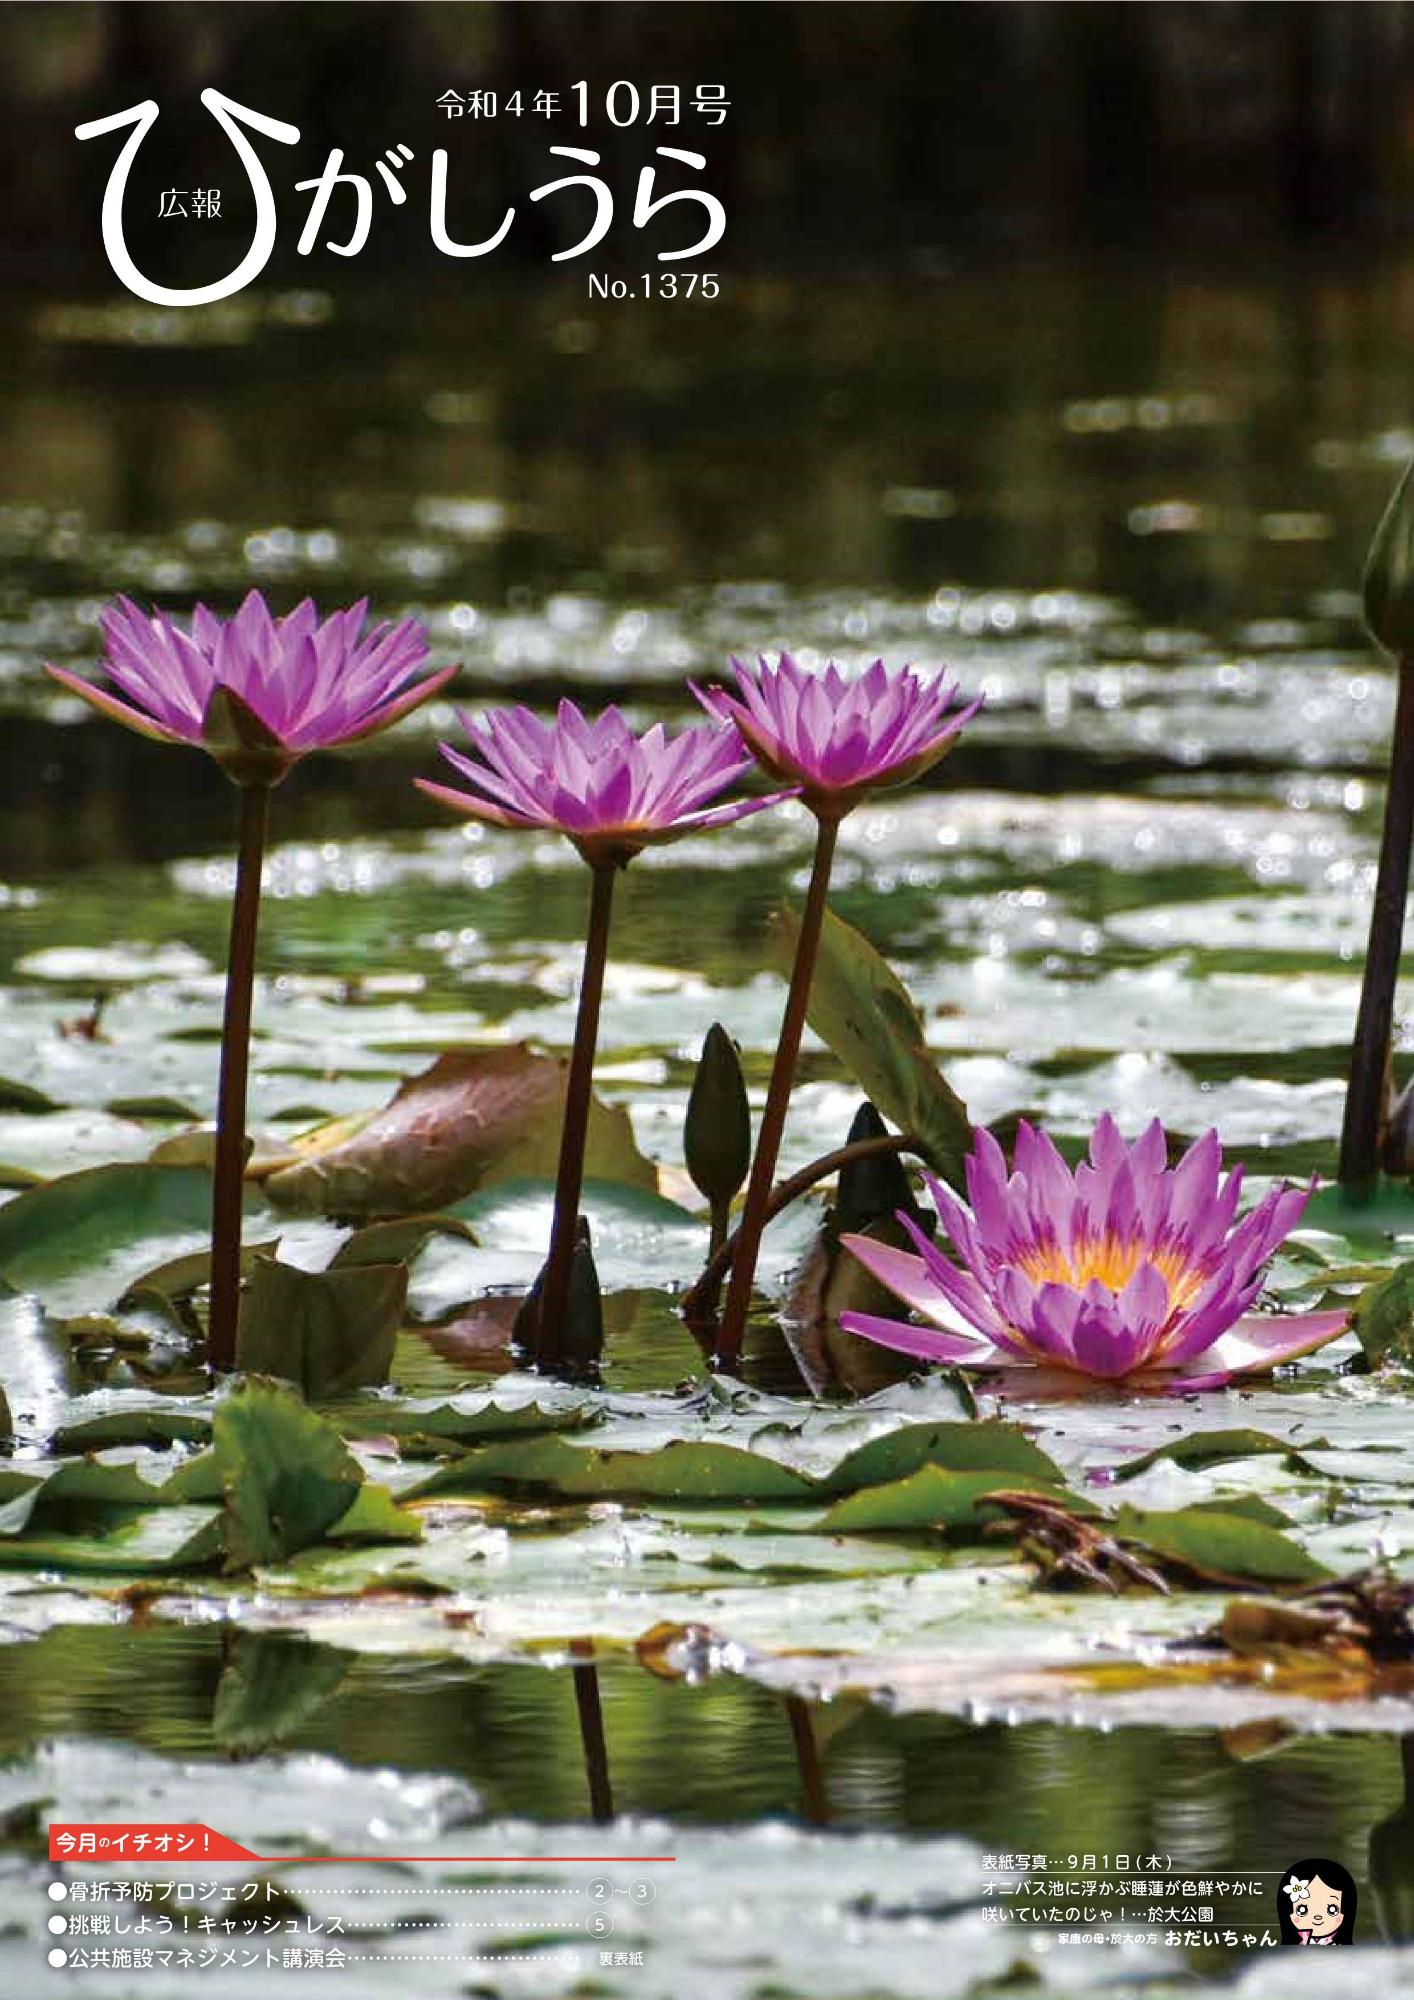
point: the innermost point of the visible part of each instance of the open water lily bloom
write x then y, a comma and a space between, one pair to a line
309, 685
840, 737
591, 778
1126, 1268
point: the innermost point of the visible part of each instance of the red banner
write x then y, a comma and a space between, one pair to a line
141, 1840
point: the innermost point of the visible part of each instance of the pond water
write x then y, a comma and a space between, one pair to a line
1127, 502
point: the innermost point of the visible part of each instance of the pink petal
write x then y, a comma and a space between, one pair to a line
926, 1343
470, 808
907, 1277
119, 711
1262, 1341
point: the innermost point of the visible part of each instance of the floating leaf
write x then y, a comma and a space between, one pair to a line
80, 1242
680, 1471
776, 1466
328, 1332
992, 1447
1380, 1218
397, 1241
1203, 1448
1221, 1547
136, 1540
286, 1474
476, 1116
861, 1008
928, 1498
473, 1418
1384, 1316
640, 1238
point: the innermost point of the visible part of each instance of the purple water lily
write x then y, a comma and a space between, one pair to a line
258, 693
612, 793
303, 685
592, 779
1124, 1269
840, 738
837, 740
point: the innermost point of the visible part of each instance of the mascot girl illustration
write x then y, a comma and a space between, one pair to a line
1316, 1904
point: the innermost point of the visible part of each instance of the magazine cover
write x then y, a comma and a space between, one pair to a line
706, 1233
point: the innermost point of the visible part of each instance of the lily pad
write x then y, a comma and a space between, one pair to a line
476, 1116
80, 1241
286, 1474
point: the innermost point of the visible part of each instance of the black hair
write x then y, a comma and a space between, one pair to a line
1335, 1877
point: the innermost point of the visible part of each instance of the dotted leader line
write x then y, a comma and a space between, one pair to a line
435, 1889
464, 1924
542, 1959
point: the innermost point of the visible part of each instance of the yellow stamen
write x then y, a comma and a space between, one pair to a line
1113, 1260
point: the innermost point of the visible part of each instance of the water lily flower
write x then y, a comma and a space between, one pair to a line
1126, 1269
840, 738
837, 739
258, 693
612, 793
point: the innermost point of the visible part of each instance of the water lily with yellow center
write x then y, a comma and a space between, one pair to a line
1124, 1268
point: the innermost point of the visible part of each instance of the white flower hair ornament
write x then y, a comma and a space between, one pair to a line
1296, 1888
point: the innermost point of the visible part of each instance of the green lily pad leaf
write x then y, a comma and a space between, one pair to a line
1384, 1317
476, 1116
774, 1462
38, 1146
82, 1487
929, 1498
1204, 1448
326, 1331
136, 1541
1385, 1216
81, 1241
270, 1684
471, 1419
1251, 1506
680, 1471
640, 1238
375, 1516
133, 1416
286, 1474
994, 1447
862, 1010
1222, 1547
396, 1241
179, 1277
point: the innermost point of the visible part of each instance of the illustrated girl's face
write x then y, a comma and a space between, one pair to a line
1319, 1910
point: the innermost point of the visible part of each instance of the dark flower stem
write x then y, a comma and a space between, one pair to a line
591, 1731
699, 1302
814, 1798
720, 1224
1369, 1059
235, 1063
773, 1118
569, 1179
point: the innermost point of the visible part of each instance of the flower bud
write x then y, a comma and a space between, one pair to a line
717, 1134
1389, 573
582, 1339
876, 1187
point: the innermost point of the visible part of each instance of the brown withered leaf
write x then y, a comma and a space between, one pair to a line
476, 1116
827, 1282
